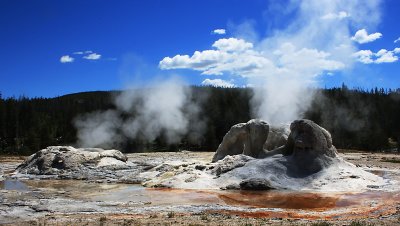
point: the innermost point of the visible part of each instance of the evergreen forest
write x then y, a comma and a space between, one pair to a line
357, 119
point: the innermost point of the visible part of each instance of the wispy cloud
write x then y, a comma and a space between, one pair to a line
340, 15
85, 55
82, 52
92, 56
218, 83
219, 31
382, 56
66, 59
362, 36
397, 40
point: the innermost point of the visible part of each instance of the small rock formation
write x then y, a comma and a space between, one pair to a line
230, 162
244, 138
255, 184
56, 159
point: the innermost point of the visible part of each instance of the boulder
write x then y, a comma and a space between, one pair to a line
54, 159
244, 138
257, 184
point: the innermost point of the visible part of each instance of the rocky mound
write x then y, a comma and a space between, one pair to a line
244, 138
68, 162
307, 161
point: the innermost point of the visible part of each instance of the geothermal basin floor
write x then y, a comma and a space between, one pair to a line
79, 202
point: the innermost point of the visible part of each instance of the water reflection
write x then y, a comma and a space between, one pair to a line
286, 200
13, 185
84, 190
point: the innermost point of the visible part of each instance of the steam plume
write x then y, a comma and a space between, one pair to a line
284, 64
164, 109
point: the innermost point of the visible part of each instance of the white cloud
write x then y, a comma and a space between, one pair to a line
340, 15
238, 57
385, 56
219, 31
382, 56
364, 56
397, 40
232, 45
362, 36
231, 55
92, 56
66, 59
78, 53
218, 83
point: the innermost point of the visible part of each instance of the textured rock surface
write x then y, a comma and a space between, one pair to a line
230, 162
66, 162
63, 158
277, 137
309, 147
255, 184
244, 138
307, 161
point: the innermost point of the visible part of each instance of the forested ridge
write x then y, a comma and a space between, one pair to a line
358, 119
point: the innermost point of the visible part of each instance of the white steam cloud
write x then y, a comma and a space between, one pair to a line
283, 65
156, 110
99, 129
165, 109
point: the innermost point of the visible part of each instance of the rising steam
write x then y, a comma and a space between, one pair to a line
164, 109
282, 66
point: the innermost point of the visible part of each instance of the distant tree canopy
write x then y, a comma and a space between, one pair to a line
357, 119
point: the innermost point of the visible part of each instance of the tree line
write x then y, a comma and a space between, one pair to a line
357, 119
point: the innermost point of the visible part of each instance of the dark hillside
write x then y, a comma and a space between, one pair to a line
357, 119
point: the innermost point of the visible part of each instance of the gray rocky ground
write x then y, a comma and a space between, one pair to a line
66, 202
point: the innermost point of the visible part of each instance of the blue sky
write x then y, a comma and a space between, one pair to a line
116, 43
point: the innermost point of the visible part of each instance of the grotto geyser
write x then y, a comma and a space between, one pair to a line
252, 156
